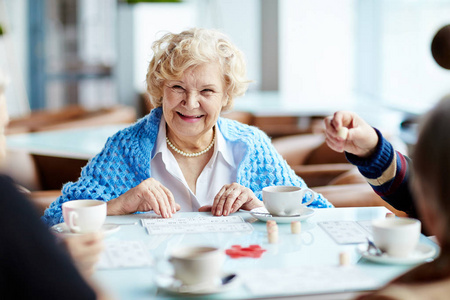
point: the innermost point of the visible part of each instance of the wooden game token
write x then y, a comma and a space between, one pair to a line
296, 227
271, 226
344, 259
271, 223
343, 132
273, 237
272, 230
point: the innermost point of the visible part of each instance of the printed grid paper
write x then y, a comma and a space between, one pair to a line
196, 225
348, 232
308, 280
124, 254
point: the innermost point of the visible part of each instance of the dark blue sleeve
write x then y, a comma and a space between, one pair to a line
393, 188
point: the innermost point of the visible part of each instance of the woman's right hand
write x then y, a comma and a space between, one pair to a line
360, 140
149, 195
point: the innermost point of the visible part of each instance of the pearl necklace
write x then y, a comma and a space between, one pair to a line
190, 154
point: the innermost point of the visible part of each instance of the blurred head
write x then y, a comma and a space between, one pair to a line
174, 54
3, 122
440, 47
431, 163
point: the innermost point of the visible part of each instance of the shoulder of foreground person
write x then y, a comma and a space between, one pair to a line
436, 290
24, 239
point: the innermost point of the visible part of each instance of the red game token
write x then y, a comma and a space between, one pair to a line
237, 251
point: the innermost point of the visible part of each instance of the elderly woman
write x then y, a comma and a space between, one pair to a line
183, 155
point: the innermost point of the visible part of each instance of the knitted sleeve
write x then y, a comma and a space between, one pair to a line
388, 171
123, 163
262, 165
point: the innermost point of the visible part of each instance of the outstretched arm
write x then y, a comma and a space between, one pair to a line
386, 170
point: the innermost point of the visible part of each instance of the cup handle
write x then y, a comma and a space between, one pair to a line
73, 216
164, 266
313, 196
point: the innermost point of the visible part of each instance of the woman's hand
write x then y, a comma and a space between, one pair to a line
361, 139
232, 197
85, 250
149, 195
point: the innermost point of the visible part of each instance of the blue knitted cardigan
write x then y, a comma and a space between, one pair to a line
125, 159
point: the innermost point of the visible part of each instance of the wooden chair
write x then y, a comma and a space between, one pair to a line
240, 116
354, 195
311, 159
21, 166
42, 177
71, 117
287, 125
41, 199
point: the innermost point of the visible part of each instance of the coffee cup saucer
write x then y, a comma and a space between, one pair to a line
422, 253
63, 229
170, 284
303, 215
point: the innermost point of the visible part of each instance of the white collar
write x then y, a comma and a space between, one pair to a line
219, 147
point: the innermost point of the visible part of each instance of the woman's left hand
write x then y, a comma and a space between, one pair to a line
85, 250
232, 197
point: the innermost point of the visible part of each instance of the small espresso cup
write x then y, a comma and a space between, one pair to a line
197, 265
286, 200
83, 216
397, 237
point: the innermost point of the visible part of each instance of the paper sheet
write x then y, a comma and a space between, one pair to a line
307, 280
196, 225
124, 254
347, 232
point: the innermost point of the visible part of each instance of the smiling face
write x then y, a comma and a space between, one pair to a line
192, 104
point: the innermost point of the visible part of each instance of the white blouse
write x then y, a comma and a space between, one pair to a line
220, 170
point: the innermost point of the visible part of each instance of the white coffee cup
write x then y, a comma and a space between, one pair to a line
397, 237
286, 200
83, 216
198, 265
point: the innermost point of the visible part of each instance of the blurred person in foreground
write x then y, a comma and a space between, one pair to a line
392, 175
32, 264
183, 155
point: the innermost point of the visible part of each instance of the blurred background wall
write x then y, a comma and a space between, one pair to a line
306, 52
